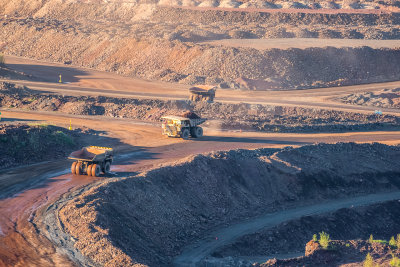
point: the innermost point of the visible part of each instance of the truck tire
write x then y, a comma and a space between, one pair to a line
185, 133
107, 167
89, 170
197, 132
73, 167
95, 170
78, 168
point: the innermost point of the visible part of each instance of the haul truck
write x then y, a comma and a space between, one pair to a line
202, 93
92, 160
176, 126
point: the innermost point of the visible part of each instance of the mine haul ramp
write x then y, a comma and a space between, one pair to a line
91, 160
176, 126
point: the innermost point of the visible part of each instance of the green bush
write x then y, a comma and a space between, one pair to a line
2, 61
324, 240
369, 261
395, 262
315, 238
392, 242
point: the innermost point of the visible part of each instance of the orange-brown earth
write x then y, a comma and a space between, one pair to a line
21, 218
126, 38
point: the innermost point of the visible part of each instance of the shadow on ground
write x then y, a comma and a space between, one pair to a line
20, 179
253, 140
49, 73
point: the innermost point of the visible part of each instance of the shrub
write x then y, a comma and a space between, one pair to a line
392, 242
395, 262
368, 262
2, 61
315, 238
324, 240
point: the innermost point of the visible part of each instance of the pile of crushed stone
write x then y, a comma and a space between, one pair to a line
387, 98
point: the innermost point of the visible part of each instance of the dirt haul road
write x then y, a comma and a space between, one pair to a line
82, 81
198, 251
22, 242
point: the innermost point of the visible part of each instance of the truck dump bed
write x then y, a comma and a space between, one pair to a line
202, 93
91, 153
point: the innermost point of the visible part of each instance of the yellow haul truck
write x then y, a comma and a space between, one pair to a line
92, 160
176, 126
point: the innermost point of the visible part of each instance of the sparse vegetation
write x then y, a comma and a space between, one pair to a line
2, 60
371, 239
369, 261
41, 125
63, 138
315, 238
392, 242
395, 261
324, 240
398, 241
24, 144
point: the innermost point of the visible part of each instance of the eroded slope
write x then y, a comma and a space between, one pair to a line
149, 218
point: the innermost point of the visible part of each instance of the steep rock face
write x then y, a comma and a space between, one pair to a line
148, 219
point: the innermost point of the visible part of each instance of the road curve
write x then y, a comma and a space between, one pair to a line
194, 253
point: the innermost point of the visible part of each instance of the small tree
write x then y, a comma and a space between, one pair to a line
324, 240
315, 238
392, 242
368, 262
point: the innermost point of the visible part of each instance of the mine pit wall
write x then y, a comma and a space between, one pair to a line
186, 15
150, 218
49, 33
127, 12
381, 220
188, 63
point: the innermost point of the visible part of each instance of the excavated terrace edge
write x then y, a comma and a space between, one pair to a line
65, 242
